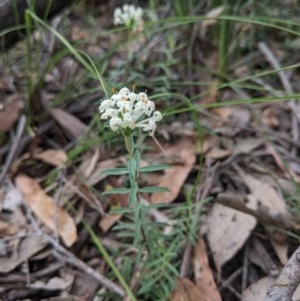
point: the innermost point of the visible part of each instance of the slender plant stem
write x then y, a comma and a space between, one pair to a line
129, 146
109, 261
134, 199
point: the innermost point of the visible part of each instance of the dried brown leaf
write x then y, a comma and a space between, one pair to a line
258, 254
212, 16
7, 229
116, 201
108, 221
218, 153
237, 116
247, 145
203, 146
281, 250
268, 198
96, 176
69, 122
52, 215
28, 247
10, 112
228, 229
258, 290
54, 157
203, 274
175, 177
89, 164
186, 290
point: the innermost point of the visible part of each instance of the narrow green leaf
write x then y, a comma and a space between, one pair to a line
121, 190
132, 168
158, 206
156, 225
137, 156
125, 235
127, 226
115, 171
133, 193
121, 210
152, 189
156, 167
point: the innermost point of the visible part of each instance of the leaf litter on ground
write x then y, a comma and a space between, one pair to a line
47, 210
236, 138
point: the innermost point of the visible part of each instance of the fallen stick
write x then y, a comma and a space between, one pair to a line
287, 281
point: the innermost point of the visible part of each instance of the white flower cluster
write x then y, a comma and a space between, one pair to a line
128, 110
128, 14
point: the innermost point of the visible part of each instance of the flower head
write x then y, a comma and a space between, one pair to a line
129, 15
128, 110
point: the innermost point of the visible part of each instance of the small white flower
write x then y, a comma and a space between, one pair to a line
157, 116
147, 107
125, 106
127, 110
132, 96
105, 104
124, 91
115, 123
118, 16
149, 124
143, 97
109, 113
129, 121
129, 15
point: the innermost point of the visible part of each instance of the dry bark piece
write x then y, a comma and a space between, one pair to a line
46, 209
227, 230
258, 291
287, 282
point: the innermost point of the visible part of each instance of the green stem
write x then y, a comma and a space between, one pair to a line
134, 196
109, 261
129, 142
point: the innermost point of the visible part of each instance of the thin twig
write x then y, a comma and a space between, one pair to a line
14, 147
74, 261
288, 280
263, 47
245, 268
